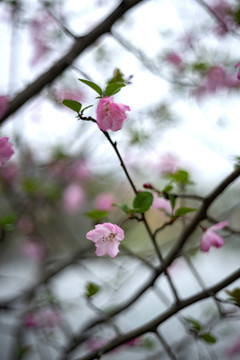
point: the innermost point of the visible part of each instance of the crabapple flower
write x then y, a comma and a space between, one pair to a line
107, 239
162, 204
110, 115
238, 66
174, 59
6, 150
210, 238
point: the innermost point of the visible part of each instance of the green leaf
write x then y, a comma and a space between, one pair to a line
7, 222
87, 107
96, 214
117, 77
235, 295
93, 86
182, 177
22, 351
208, 338
73, 105
125, 208
172, 199
183, 211
142, 201
113, 88
91, 289
167, 188
195, 325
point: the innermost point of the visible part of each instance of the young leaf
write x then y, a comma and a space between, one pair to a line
125, 208
8, 222
235, 296
113, 88
208, 338
172, 199
73, 105
194, 324
167, 188
96, 214
91, 289
183, 211
87, 107
93, 86
142, 201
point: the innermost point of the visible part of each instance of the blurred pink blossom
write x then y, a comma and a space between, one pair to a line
210, 238
107, 239
161, 203
6, 150
235, 348
223, 10
67, 93
110, 115
80, 170
168, 164
45, 319
73, 198
33, 249
25, 225
216, 79
174, 58
4, 101
10, 173
104, 201
238, 66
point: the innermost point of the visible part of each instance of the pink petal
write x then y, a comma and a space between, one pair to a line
219, 225
112, 248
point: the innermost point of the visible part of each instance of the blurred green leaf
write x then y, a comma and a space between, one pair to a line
113, 88
183, 211
7, 222
125, 208
93, 86
235, 295
208, 338
142, 201
22, 351
96, 214
167, 188
91, 289
172, 199
194, 324
73, 105
117, 77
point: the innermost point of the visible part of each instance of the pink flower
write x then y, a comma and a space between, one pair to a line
3, 105
162, 204
210, 238
235, 348
110, 116
174, 59
33, 250
45, 319
238, 66
107, 239
73, 198
223, 10
168, 164
104, 201
6, 150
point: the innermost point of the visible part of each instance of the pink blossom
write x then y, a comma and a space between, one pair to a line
238, 66
45, 319
174, 59
168, 164
107, 239
162, 204
223, 10
104, 201
210, 238
235, 348
110, 115
67, 93
80, 170
10, 173
33, 249
6, 150
73, 198
3, 105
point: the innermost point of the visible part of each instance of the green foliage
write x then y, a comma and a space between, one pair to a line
147, 343
142, 201
167, 188
22, 351
97, 215
113, 88
193, 324
31, 186
183, 211
208, 338
172, 199
117, 77
73, 105
235, 296
7, 222
91, 289
180, 178
125, 208
93, 86
236, 15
